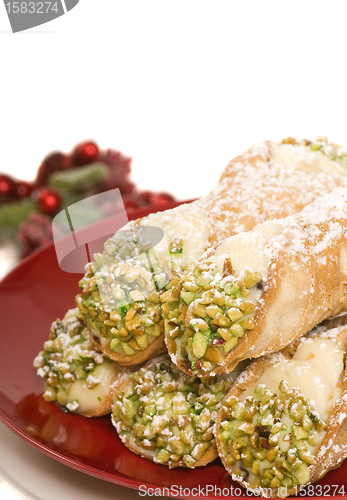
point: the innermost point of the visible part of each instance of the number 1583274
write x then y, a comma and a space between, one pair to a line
32, 7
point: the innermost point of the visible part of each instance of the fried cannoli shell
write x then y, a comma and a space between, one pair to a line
333, 448
253, 189
105, 409
307, 279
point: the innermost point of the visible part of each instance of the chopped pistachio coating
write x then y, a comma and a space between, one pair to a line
205, 313
167, 416
121, 292
74, 370
269, 440
332, 150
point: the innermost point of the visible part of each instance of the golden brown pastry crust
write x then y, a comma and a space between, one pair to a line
307, 280
253, 189
105, 409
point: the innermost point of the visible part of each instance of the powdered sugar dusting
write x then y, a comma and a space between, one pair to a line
313, 231
254, 189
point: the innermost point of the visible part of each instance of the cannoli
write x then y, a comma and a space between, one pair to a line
269, 182
283, 423
253, 189
260, 290
121, 289
77, 375
166, 416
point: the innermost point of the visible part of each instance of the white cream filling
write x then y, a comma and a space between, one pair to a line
315, 369
187, 223
90, 400
246, 250
303, 158
184, 223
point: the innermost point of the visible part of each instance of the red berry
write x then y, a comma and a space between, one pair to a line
160, 198
85, 153
7, 185
24, 189
48, 201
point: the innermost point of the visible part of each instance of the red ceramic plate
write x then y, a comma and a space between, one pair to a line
31, 297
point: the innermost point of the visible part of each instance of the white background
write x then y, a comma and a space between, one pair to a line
180, 86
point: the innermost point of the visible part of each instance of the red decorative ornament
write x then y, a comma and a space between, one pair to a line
35, 229
7, 185
23, 189
49, 201
85, 153
160, 198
